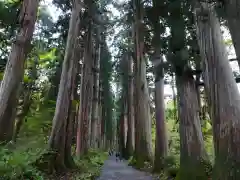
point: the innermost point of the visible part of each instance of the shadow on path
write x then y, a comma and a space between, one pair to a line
119, 170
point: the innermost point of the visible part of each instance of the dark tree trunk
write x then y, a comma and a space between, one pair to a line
60, 139
15, 69
86, 97
222, 93
130, 110
191, 139
143, 142
95, 112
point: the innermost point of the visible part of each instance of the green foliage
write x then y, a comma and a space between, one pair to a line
228, 42
38, 122
90, 165
16, 159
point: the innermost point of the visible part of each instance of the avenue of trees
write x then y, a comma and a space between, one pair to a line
63, 83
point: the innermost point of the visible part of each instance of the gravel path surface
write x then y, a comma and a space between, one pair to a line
119, 170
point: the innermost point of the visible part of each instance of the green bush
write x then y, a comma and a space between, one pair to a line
17, 163
90, 164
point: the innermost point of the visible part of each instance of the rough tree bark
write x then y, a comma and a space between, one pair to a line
99, 129
193, 154
95, 112
86, 97
143, 142
222, 93
161, 144
122, 128
59, 139
15, 68
130, 110
103, 120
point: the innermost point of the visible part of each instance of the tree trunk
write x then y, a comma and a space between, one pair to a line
24, 109
232, 11
161, 144
191, 139
72, 112
59, 140
103, 126
122, 144
198, 76
76, 96
86, 97
99, 129
222, 93
130, 110
15, 68
27, 99
95, 112
174, 98
142, 118
143, 147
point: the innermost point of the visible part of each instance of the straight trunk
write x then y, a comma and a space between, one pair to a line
15, 69
86, 97
103, 126
161, 144
71, 113
76, 97
143, 147
99, 126
95, 112
222, 93
59, 140
122, 138
192, 149
143, 143
99, 129
130, 110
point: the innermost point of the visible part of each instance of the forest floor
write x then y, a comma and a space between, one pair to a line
120, 170
17, 162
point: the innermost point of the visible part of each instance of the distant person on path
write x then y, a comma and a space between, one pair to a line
118, 156
110, 153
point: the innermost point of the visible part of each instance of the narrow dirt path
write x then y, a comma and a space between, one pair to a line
119, 170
